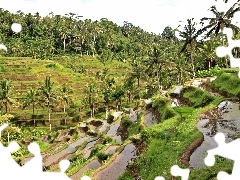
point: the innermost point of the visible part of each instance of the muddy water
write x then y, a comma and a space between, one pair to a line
94, 164
113, 129
226, 120
113, 132
111, 150
117, 167
104, 126
150, 118
69, 149
87, 149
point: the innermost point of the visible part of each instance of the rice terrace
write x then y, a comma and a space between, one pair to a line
117, 101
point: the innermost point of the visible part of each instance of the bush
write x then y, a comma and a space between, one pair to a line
126, 122
196, 96
229, 83
107, 140
102, 156
209, 73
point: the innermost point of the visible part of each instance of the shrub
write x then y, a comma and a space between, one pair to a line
102, 156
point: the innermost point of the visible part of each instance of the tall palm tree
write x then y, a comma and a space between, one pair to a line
91, 95
220, 21
31, 99
157, 62
65, 98
48, 94
5, 94
207, 50
190, 35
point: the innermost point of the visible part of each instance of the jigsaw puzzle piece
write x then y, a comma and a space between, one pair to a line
221, 51
210, 158
177, 171
223, 176
85, 178
35, 164
7, 161
64, 165
159, 178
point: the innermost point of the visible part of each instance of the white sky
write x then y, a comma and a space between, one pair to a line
150, 15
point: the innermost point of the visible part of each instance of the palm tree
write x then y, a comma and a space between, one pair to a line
91, 95
64, 97
207, 50
5, 94
31, 99
117, 95
190, 34
48, 94
157, 62
220, 21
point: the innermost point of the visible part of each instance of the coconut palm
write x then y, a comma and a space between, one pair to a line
64, 97
48, 95
91, 95
190, 35
220, 21
31, 99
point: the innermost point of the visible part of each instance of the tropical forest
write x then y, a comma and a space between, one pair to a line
117, 101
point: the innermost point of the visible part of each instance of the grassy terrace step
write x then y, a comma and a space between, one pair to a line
25, 73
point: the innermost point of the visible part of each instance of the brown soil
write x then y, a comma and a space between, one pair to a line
185, 158
122, 131
96, 123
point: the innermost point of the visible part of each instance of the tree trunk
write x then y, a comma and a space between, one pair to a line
34, 121
226, 58
64, 45
209, 64
107, 112
159, 83
192, 62
65, 118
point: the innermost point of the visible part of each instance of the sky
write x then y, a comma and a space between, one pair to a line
150, 15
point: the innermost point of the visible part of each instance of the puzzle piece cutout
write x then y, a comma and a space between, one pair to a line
228, 150
177, 171
31, 170
222, 51
15, 28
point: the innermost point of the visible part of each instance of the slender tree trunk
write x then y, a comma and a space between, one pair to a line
226, 58
65, 118
107, 112
209, 64
6, 109
34, 121
49, 118
192, 62
64, 45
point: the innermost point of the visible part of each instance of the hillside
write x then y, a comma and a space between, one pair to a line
27, 73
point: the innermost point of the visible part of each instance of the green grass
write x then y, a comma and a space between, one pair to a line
196, 96
184, 111
228, 82
168, 140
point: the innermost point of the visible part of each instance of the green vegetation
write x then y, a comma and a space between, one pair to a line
167, 141
228, 83
57, 78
